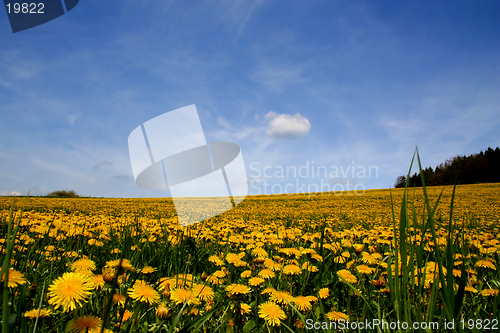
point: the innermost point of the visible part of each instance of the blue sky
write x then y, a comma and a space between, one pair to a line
324, 83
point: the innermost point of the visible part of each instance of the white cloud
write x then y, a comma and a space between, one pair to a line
13, 193
286, 125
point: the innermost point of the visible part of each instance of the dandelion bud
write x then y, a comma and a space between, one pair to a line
108, 274
162, 311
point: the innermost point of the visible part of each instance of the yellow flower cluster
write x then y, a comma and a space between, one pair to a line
266, 259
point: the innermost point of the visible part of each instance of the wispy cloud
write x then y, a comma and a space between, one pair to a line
122, 177
72, 118
238, 13
276, 78
103, 164
61, 170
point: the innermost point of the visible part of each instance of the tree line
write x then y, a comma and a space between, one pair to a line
475, 168
64, 194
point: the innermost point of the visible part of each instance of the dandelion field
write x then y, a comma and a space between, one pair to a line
268, 265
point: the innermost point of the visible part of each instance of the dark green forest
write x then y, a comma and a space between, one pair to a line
473, 169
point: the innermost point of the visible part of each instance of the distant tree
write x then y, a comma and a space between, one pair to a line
400, 182
64, 194
475, 168
428, 176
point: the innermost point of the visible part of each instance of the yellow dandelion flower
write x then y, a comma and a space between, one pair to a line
268, 290
470, 289
216, 260
164, 284
346, 254
350, 263
246, 274
274, 266
16, 278
255, 281
292, 270
37, 313
148, 270
182, 295
98, 330
203, 292
271, 313
144, 293
358, 247
259, 252
70, 290
127, 315
312, 299
266, 274
245, 308
83, 265
380, 282
383, 265
311, 268
237, 289
182, 280
291, 252
340, 260
126, 265
84, 324
71, 254
258, 260
488, 292
302, 303
432, 267
281, 297
485, 264
221, 274
194, 311
231, 258
336, 316
307, 251
316, 257
240, 263
364, 269
345, 275
268, 262
368, 258
324, 293
119, 298
429, 279
96, 281
215, 280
